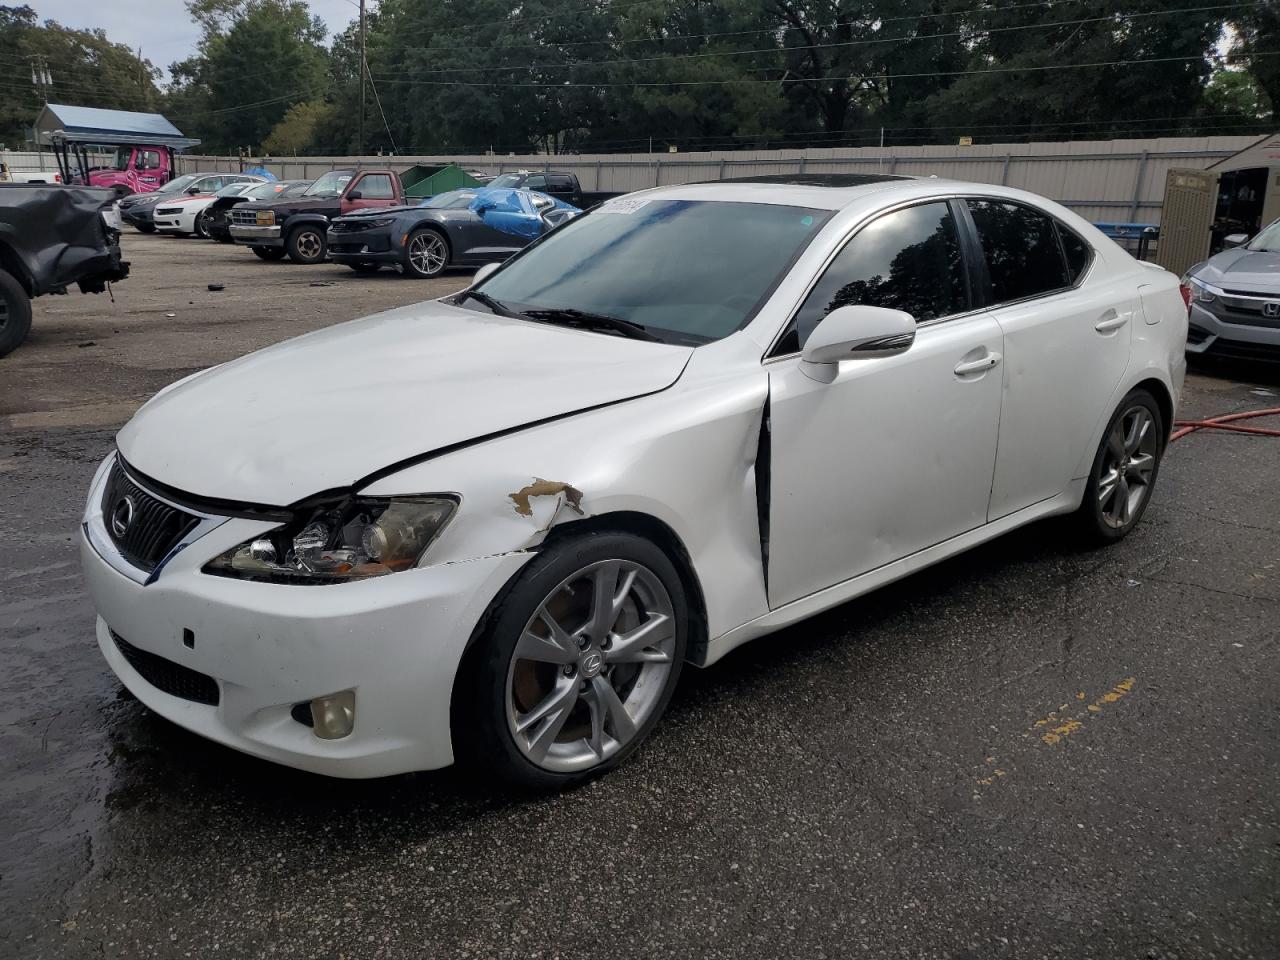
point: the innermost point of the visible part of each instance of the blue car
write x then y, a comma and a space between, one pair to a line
461, 228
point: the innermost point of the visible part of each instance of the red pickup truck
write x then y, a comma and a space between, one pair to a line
297, 227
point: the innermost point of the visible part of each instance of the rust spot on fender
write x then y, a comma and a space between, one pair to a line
546, 488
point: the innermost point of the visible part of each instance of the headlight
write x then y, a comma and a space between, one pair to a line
383, 222
1200, 292
266, 218
354, 540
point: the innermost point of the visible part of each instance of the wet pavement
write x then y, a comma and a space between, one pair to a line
1028, 751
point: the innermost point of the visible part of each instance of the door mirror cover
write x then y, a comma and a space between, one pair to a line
849, 333
1233, 240
355, 195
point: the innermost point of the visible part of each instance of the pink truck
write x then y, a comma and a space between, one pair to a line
145, 144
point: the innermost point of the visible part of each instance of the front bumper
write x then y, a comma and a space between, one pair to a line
1247, 338
257, 236
396, 641
372, 246
144, 214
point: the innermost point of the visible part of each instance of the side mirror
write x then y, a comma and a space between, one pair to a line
849, 333
1232, 240
355, 195
486, 271
192, 191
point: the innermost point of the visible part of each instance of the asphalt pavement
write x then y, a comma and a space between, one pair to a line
1028, 751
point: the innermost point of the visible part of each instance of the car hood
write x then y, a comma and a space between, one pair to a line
327, 409
1251, 271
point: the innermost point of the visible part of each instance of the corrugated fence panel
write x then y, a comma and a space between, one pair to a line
1102, 180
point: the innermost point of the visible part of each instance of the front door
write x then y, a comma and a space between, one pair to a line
375, 189
1066, 345
894, 454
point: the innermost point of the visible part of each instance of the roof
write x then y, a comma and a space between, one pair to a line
93, 125
835, 180
1260, 153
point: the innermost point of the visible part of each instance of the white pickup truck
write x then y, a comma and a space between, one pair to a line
28, 168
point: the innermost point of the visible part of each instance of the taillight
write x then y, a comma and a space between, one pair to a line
1185, 289
57, 178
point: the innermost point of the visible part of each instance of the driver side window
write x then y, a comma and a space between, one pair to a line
908, 260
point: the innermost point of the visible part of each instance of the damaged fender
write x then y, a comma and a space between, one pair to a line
685, 457
52, 237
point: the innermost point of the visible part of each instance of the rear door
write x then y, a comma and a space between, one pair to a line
375, 189
1066, 345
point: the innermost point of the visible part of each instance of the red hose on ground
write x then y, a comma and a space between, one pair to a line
1225, 422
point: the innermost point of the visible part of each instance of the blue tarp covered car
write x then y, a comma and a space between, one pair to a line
465, 227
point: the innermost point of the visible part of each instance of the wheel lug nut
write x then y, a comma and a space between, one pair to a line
568, 670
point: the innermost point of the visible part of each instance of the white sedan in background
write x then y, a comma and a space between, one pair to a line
182, 216
494, 527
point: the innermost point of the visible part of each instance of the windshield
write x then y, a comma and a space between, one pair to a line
232, 190
330, 185
1268, 240
451, 200
263, 191
174, 186
685, 270
506, 180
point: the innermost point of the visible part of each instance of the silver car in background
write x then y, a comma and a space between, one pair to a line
1234, 299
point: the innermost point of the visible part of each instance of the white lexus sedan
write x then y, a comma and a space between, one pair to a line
495, 527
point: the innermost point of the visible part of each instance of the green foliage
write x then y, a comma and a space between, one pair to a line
86, 68
297, 131
462, 76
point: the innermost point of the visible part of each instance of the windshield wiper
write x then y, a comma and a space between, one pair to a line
497, 306
570, 317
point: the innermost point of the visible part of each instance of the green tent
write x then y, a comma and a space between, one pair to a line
421, 181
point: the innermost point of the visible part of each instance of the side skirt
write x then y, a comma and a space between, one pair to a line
839, 593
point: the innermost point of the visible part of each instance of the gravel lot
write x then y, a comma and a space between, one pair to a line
1029, 751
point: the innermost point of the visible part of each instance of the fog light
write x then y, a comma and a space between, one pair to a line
333, 717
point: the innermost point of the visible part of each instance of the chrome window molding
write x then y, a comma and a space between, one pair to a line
95, 529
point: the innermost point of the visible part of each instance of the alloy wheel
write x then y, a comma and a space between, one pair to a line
310, 245
1128, 465
427, 253
591, 666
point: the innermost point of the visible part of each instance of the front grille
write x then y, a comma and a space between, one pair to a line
245, 218
167, 676
168, 211
349, 226
1242, 350
143, 528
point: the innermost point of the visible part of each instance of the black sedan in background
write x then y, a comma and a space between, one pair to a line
461, 228
217, 216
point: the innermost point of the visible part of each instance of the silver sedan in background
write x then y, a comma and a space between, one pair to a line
1234, 299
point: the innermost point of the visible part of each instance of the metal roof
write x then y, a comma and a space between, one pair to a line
94, 125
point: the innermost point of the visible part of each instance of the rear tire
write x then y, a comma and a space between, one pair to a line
306, 244
551, 703
268, 253
1124, 471
15, 313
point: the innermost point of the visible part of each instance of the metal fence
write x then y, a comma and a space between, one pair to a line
1102, 180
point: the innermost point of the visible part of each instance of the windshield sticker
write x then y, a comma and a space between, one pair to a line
624, 205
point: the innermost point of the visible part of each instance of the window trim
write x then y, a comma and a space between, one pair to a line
971, 294
984, 292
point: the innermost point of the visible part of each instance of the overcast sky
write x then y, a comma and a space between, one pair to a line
163, 28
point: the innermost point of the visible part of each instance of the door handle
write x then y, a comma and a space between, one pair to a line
981, 365
1111, 321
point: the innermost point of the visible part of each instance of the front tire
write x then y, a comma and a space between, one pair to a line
268, 253
306, 244
1124, 470
15, 313
202, 230
575, 662
426, 254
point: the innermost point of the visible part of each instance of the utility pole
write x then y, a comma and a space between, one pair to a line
363, 68
40, 77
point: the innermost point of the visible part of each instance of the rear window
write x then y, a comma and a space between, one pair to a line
1023, 255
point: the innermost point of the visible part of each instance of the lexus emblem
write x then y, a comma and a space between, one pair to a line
1271, 309
591, 665
122, 516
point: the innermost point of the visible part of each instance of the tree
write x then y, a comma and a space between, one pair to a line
85, 67
297, 131
1235, 93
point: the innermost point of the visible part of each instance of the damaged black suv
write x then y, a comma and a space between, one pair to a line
50, 238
